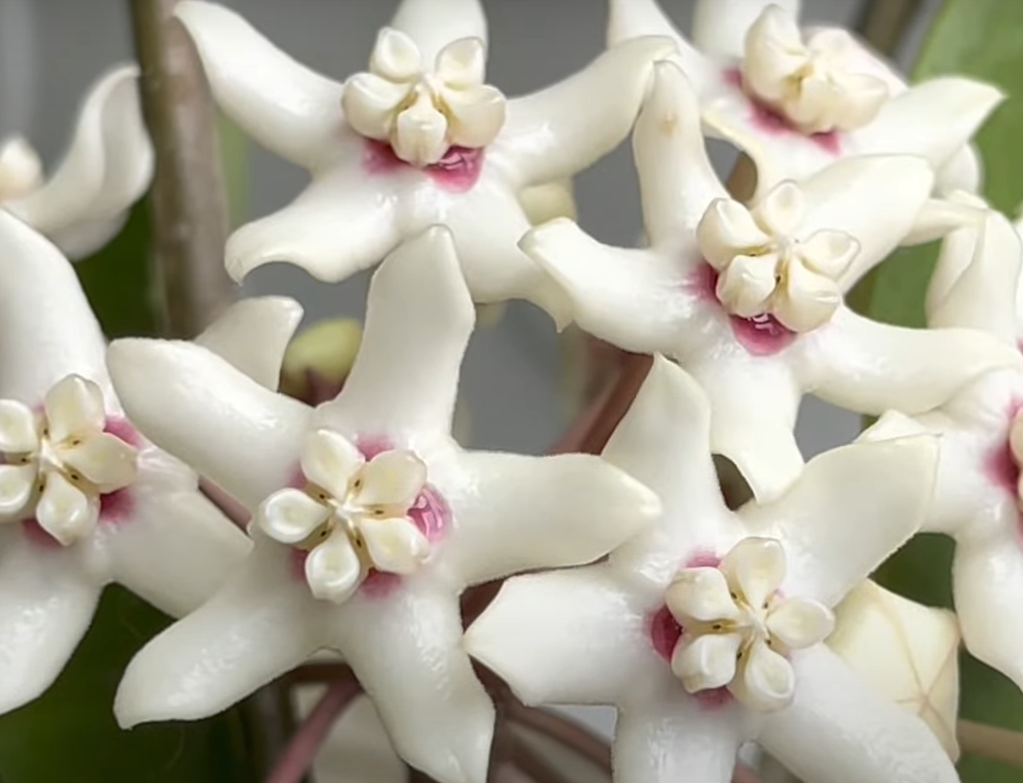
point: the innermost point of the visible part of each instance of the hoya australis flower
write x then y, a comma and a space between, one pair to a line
978, 495
705, 631
106, 168
369, 519
419, 139
796, 100
750, 299
908, 651
85, 500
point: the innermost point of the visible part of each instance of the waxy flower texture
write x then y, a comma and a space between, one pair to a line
355, 548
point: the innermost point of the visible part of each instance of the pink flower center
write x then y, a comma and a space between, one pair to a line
761, 335
770, 121
457, 172
1001, 466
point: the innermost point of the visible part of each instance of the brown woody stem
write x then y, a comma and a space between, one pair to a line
991, 742
187, 201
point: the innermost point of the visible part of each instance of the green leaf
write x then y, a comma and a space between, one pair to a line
978, 38
69, 734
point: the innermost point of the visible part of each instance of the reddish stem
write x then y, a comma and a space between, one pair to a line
634, 370
568, 732
304, 745
577, 433
534, 765
232, 509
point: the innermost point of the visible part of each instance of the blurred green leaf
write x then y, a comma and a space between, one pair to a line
978, 38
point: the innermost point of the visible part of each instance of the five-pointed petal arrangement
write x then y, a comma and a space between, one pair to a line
750, 299
705, 630
416, 140
106, 168
85, 500
798, 100
369, 519
978, 495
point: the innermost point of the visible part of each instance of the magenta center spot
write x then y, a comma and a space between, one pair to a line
665, 635
457, 172
761, 335
769, 120
116, 507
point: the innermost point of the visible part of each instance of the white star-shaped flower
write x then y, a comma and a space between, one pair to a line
979, 495
797, 100
85, 500
106, 169
750, 299
368, 503
423, 97
705, 630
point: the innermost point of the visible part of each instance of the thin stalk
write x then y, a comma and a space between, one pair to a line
630, 378
568, 732
298, 757
187, 200
991, 742
535, 766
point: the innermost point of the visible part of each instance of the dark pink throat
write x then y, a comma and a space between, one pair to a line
457, 172
761, 335
1000, 464
770, 121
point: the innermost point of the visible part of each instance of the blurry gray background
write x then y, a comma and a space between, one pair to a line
513, 380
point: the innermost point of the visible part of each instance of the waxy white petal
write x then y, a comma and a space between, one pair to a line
706, 662
395, 57
393, 478
333, 569
17, 428
175, 549
17, 482
934, 119
676, 178
418, 322
577, 508
745, 286
305, 232
202, 410
829, 252
21, 170
329, 460
868, 366
290, 516
105, 170
756, 567
774, 53
669, 737
46, 605
475, 115
462, 63
74, 407
64, 511
588, 641
420, 135
370, 104
630, 297
253, 334
675, 462
798, 623
259, 625
565, 128
47, 329
285, 106
407, 652
701, 594
874, 199
835, 716
986, 579
727, 230
434, 24
851, 508
807, 299
720, 27
766, 681
104, 459
394, 545
782, 209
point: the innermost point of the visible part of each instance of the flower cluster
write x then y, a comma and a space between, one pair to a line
706, 626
